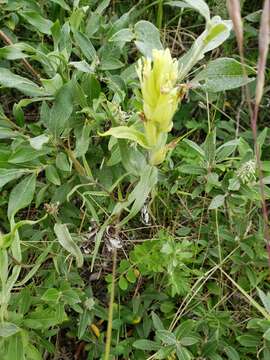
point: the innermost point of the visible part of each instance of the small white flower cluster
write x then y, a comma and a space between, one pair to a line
247, 172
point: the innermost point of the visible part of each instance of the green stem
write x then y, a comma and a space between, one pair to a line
160, 14
110, 313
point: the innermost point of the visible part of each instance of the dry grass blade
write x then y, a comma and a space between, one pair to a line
264, 37
263, 50
235, 15
234, 10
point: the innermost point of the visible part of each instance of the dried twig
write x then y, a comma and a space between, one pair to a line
8, 41
235, 14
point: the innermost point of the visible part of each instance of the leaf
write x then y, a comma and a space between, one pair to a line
68, 243
216, 33
8, 329
199, 5
122, 36
139, 194
194, 147
38, 141
6, 133
15, 347
226, 149
51, 295
110, 63
266, 335
183, 353
40, 23
123, 284
158, 325
24, 154
126, 132
61, 110
52, 175
167, 337
7, 175
21, 195
223, 74
62, 162
28, 87
131, 276
147, 345
265, 299
147, 38
231, 353
85, 45
217, 202
249, 340
188, 340
83, 66
62, 3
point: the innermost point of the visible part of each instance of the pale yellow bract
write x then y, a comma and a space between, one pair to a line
158, 78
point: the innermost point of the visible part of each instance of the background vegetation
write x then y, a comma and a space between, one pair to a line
188, 267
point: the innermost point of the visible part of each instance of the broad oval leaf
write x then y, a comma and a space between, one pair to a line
21, 195
28, 87
147, 38
147, 345
223, 74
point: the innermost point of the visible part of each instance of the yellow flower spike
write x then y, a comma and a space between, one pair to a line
160, 99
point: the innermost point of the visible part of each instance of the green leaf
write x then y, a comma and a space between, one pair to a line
68, 243
167, 337
7, 175
62, 3
85, 45
231, 353
217, 202
8, 329
199, 5
33, 353
83, 66
183, 353
62, 162
52, 175
265, 298
61, 110
38, 141
226, 149
158, 325
122, 36
223, 74
28, 87
51, 295
266, 335
147, 345
123, 284
8, 133
131, 276
15, 348
188, 340
147, 38
40, 23
110, 63
216, 33
249, 340
125, 132
21, 195
139, 194
24, 154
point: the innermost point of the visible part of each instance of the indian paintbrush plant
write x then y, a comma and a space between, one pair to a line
77, 186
